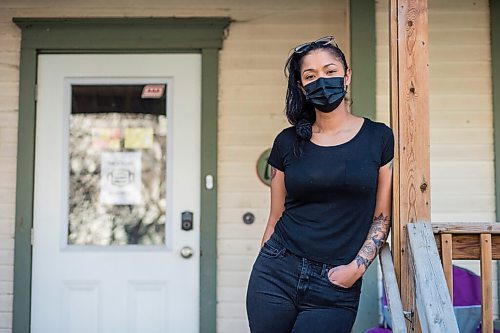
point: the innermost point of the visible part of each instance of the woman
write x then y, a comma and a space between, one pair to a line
330, 202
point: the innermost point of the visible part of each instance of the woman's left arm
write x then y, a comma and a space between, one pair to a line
346, 275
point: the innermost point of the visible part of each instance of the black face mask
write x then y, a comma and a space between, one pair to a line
326, 93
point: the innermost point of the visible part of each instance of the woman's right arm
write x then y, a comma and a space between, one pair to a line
278, 193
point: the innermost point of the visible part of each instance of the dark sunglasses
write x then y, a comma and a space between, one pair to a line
321, 41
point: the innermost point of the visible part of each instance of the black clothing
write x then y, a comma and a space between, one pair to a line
331, 192
287, 293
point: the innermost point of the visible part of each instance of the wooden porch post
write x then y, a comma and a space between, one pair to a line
409, 66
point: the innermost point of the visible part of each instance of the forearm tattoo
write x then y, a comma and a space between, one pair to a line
273, 172
376, 237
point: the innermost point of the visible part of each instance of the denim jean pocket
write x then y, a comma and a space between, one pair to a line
355, 287
272, 249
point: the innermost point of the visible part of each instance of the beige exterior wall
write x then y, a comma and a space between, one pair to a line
251, 96
461, 115
252, 88
252, 104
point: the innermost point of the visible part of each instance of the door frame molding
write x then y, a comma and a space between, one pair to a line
362, 15
117, 35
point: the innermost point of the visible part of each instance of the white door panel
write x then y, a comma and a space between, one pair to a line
107, 223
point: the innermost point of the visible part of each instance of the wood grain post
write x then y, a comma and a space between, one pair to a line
486, 292
446, 258
409, 61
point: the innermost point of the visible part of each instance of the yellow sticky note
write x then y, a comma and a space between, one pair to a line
138, 138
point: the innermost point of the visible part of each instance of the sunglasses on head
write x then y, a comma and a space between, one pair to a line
321, 41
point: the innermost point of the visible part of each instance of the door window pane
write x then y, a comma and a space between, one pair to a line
117, 165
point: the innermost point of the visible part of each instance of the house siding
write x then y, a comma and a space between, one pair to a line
251, 102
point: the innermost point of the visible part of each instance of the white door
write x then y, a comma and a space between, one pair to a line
117, 167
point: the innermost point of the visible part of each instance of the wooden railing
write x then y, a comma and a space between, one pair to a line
392, 291
433, 303
432, 248
470, 241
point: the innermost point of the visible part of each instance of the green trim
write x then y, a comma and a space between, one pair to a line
363, 89
495, 81
210, 70
24, 192
113, 34
128, 35
363, 58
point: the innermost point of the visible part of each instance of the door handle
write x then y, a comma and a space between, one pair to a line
187, 252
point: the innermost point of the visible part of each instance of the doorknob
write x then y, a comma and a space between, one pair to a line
187, 252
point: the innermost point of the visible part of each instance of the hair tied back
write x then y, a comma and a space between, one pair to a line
303, 128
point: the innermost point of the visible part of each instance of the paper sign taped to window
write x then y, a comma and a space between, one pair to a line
106, 138
138, 138
120, 178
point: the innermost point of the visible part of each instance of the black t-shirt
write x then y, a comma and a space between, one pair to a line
330, 192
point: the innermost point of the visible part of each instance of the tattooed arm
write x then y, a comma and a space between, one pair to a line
346, 275
278, 193
374, 241
379, 230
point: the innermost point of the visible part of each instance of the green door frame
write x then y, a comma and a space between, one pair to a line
116, 35
363, 90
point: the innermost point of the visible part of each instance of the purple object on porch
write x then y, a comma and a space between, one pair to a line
378, 330
466, 302
466, 287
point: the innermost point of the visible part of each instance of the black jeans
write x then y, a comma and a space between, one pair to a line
287, 293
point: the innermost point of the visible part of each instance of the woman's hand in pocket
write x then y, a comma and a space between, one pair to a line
345, 275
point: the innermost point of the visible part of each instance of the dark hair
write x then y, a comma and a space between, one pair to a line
299, 111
